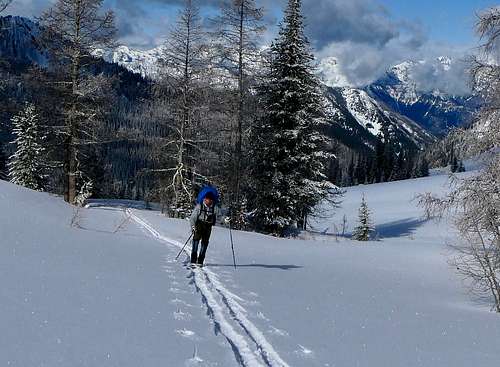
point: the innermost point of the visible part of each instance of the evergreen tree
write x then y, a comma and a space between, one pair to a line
372, 169
365, 227
335, 172
26, 165
423, 168
289, 151
349, 178
379, 163
360, 171
454, 164
461, 167
3, 162
388, 163
400, 171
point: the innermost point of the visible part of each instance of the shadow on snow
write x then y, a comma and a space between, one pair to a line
399, 228
264, 266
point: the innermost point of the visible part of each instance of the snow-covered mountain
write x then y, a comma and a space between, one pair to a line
434, 110
145, 63
358, 107
361, 120
392, 105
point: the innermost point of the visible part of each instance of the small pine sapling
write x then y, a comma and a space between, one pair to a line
364, 229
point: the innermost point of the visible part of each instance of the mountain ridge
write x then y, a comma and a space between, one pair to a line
356, 113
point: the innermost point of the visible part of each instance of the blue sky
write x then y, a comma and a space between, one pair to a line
448, 21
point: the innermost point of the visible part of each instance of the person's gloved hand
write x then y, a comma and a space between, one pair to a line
227, 220
193, 229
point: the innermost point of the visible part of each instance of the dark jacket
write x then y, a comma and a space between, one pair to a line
203, 213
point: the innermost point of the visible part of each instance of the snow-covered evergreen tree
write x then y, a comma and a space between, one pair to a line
365, 227
289, 150
26, 166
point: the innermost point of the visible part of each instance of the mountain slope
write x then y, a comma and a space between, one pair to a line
435, 111
361, 120
19, 41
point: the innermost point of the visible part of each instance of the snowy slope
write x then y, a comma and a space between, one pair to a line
103, 294
107, 291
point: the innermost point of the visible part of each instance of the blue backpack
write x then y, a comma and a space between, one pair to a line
204, 191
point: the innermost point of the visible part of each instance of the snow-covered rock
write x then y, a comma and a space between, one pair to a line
145, 63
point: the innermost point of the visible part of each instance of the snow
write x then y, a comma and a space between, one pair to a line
329, 72
102, 288
364, 109
145, 63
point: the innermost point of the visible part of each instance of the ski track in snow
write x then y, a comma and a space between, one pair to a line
227, 314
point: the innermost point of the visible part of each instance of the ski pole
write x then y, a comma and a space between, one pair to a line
232, 245
180, 252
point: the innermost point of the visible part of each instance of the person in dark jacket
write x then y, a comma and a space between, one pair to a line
202, 220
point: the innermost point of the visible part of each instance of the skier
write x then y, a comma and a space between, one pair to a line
202, 220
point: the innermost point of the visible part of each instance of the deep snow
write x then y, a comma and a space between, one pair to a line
103, 289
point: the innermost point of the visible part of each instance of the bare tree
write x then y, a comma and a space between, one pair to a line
238, 28
4, 4
474, 202
74, 29
486, 83
474, 206
183, 64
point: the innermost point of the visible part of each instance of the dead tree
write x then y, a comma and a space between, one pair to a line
73, 30
474, 202
237, 31
182, 65
4, 4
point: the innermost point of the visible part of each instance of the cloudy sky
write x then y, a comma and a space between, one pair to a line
364, 36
